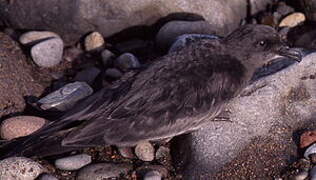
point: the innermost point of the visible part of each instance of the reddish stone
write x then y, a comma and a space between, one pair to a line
307, 138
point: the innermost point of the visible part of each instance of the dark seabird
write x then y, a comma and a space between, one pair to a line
176, 94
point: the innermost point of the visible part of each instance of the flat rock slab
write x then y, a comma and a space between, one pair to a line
281, 104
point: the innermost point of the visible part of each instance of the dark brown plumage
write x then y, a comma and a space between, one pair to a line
176, 94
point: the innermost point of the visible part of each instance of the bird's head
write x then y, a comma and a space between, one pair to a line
256, 45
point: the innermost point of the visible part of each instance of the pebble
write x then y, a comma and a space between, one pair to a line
126, 152
102, 171
145, 151
307, 138
20, 126
162, 153
284, 9
94, 41
72, 53
127, 61
35, 36
46, 177
48, 53
107, 57
310, 150
113, 73
87, 75
312, 173
143, 170
73, 163
173, 29
301, 176
187, 39
19, 168
65, 97
292, 20
153, 175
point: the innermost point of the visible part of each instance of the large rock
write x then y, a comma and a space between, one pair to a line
72, 19
16, 78
262, 122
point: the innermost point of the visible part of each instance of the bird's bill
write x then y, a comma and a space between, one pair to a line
291, 53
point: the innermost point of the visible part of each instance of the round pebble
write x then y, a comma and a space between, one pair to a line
102, 171
48, 53
127, 61
126, 152
292, 20
94, 41
145, 151
107, 57
153, 175
72, 163
113, 73
307, 138
47, 177
19, 168
20, 126
310, 150
33, 36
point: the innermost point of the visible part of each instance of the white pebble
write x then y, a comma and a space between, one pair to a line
72, 163
145, 151
34, 36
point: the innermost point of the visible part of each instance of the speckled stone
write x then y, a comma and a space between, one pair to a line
72, 163
33, 36
48, 53
145, 151
20, 126
19, 168
94, 41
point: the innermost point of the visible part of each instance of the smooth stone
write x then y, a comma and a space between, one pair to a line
19, 168
310, 150
127, 61
87, 75
187, 39
46, 177
292, 20
107, 57
307, 138
173, 29
301, 176
65, 97
20, 126
145, 151
102, 171
73, 163
113, 73
162, 153
126, 152
152, 175
94, 41
34, 36
312, 173
48, 53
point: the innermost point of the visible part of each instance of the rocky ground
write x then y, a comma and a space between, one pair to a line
47, 66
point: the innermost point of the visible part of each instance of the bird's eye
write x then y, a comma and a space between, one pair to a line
262, 43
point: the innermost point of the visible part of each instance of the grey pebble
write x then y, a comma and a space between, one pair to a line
162, 153
145, 151
19, 168
107, 57
187, 39
65, 97
310, 150
102, 171
72, 163
48, 53
126, 152
153, 175
87, 75
113, 73
35, 36
46, 177
127, 61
